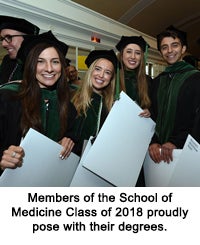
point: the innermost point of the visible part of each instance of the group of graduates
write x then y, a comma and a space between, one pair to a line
35, 92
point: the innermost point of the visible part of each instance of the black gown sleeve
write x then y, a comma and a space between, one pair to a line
187, 108
188, 103
10, 114
71, 131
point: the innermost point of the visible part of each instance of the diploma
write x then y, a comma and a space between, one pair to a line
159, 174
85, 178
119, 150
42, 166
187, 170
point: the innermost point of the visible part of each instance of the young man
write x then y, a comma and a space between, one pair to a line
175, 97
12, 31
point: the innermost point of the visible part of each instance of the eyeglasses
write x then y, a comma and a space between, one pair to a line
8, 38
72, 71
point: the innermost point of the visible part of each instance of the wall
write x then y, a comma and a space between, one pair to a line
73, 23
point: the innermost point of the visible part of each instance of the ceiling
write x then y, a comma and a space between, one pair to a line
153, 16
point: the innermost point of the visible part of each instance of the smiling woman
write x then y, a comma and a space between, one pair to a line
48, 68
133, 79
95, 98
40, 101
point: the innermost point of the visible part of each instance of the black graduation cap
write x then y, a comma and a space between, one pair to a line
31, 41
18, 24
106, 54
125, 40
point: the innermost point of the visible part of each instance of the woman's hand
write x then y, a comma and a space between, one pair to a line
67, 144
155, 152
12, 157
145, 113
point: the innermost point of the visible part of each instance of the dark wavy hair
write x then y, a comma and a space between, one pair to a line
171, 33
31, 97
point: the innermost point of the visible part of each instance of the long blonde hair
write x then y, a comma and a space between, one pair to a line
82, 98
142, 83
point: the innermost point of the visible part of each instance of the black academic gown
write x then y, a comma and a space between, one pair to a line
87, 125
10, 70
10, 116
196, 129
188, 102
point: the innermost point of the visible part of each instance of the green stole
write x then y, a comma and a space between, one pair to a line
13, 86
130, 80
171, 81
50, 114
49, 110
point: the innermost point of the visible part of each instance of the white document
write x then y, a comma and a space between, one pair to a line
119, 150
42, 166
159, 174
85, 178
187, 169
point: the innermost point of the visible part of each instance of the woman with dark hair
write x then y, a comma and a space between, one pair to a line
40, 101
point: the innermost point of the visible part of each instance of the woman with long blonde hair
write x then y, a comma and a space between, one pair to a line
133, 79
96, 96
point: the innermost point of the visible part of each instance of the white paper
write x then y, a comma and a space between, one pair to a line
187, 169
42, 166
84, 177
159, 174
119, 150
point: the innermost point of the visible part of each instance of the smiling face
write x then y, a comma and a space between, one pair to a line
13, 46
172, 50
48, 68
102, 74
131, 56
